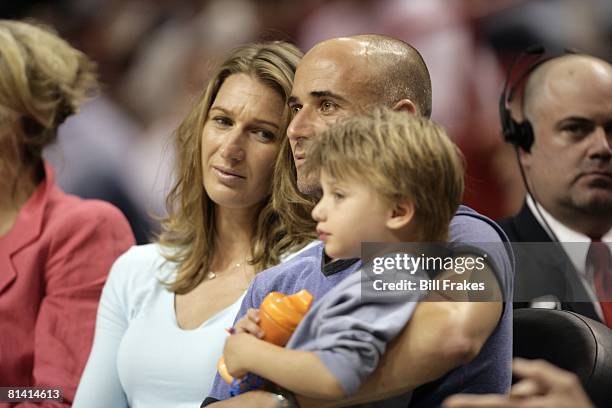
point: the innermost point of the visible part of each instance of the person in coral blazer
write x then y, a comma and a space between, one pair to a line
55, 249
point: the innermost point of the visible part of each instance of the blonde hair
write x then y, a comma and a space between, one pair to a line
189, 229
43, 80
400, 156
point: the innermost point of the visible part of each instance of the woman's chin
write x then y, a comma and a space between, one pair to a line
231, 199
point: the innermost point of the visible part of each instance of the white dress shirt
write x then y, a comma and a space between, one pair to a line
569, 239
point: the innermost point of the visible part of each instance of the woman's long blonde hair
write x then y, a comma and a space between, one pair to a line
189, 228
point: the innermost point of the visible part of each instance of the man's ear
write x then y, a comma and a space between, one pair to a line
405, 105
400, 215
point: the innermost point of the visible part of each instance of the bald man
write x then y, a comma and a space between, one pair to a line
346, 76
568, 102
470, 342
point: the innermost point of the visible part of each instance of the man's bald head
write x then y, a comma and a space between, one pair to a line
568, 102
392, 69
562, 74
347, 76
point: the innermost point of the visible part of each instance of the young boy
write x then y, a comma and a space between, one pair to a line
386, 177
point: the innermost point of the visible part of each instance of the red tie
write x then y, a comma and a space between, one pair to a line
598, 258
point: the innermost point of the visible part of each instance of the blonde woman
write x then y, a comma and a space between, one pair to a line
55, 249
164, 310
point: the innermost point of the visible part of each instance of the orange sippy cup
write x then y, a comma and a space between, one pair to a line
279, 315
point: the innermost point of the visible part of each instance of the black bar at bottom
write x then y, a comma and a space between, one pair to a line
30, 394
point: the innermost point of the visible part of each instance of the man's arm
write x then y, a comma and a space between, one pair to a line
440, 337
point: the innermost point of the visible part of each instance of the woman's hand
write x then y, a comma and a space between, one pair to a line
249, 323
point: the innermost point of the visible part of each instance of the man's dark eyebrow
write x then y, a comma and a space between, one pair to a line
326, 94
573, 119
317, 95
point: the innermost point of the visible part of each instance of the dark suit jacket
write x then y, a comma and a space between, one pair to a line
543, 269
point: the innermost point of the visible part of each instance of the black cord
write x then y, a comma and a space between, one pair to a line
535, 199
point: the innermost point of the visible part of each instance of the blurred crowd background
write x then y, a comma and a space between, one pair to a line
154, 56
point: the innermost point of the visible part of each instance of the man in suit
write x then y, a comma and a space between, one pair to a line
566, 155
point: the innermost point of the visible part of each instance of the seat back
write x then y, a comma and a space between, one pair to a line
570, 341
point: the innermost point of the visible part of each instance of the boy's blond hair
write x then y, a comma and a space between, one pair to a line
402, 157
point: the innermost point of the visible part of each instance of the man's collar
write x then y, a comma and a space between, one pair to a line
566, 236
330, 267
562, 231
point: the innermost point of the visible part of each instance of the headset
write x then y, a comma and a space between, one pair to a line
520, 134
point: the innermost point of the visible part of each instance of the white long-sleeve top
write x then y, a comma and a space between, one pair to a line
140, 356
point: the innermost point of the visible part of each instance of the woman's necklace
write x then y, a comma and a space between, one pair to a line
238, 265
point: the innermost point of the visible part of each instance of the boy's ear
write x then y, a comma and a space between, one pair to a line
400, 215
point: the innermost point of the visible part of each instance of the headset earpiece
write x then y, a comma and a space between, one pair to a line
520, 134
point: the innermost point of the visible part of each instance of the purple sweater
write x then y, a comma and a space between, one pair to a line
489, 372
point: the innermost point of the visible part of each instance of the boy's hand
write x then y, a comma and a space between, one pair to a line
236, 352
249, 323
